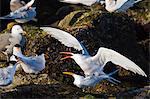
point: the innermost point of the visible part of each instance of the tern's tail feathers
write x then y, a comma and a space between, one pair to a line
29, 4
9, 17
6, 18
2, 18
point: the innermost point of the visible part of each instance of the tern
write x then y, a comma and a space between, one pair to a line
16, 37
4, 37
119, 5
7, 74
92, 64
95, 64
110, 5
16, 4
84, 2
23, 14
33, 64
92, 80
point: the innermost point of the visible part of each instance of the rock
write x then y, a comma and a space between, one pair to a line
145, 44
3, 57
67, 21
44, 91
47, 10
4, 41
94, 27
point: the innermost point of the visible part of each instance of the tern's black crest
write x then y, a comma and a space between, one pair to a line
17, 45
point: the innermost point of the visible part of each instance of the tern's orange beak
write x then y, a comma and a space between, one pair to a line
67, 53
68, 73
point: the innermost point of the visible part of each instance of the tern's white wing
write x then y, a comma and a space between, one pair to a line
84, 2
64, 37
105, 55
88, 2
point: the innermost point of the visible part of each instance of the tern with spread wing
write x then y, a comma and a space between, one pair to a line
23, 14
7, 74
33, 64
95, 64
92, 64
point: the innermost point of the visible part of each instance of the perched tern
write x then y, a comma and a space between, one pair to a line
4, 38
23, 14
13, 59
92, 65
16, 4
119, 5
92, 80
16, 37
110, 5
7, 74
33, 64
84, 2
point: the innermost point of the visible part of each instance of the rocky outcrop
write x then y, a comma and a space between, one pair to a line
95, 28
